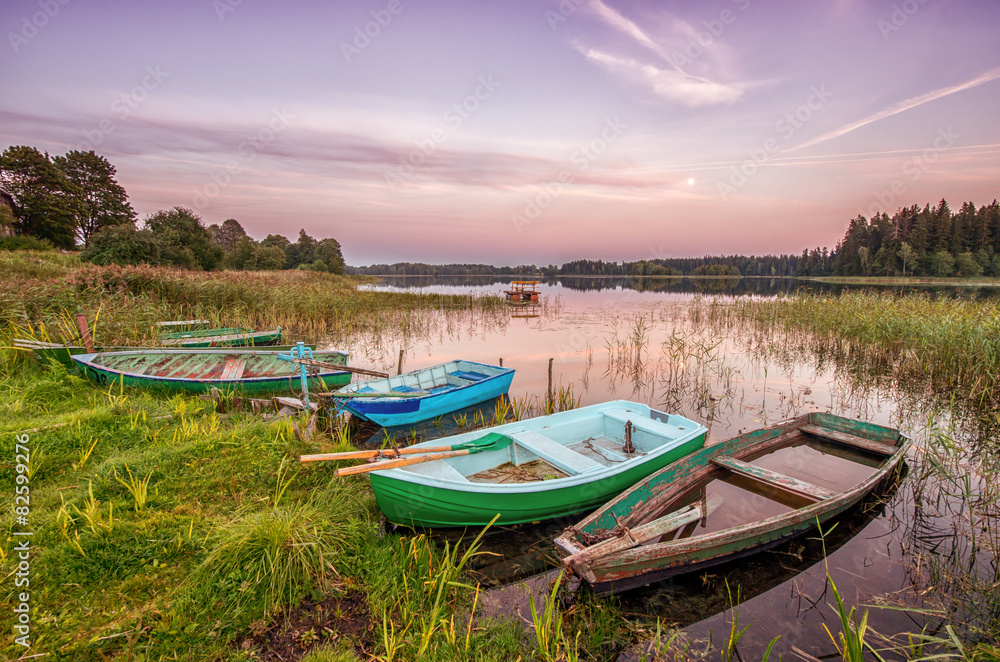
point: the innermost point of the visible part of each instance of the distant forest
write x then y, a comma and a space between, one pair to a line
915, 241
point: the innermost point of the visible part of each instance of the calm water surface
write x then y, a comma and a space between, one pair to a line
660, 344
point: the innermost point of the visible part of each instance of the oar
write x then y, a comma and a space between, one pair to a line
312, 363
641, 534
499, 443
489, 441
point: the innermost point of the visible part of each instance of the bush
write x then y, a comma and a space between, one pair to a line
25, 244
121, 244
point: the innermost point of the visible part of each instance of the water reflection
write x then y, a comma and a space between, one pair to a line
730, 286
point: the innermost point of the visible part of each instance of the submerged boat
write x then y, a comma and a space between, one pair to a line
248, 371
550, 466
734, 498
224, 337
424, 394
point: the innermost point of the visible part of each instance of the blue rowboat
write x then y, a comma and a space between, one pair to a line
554, 466
424, 394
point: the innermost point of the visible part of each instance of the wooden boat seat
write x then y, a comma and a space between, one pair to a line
234, 369
405, 389
869, 445
471, 376
774, 479
555, 453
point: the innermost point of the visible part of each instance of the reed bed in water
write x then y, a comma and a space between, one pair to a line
954, 343
42, 292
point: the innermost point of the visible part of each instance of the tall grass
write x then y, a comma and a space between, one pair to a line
954, 343
42, 292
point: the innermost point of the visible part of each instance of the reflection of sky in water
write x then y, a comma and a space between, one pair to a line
666, 350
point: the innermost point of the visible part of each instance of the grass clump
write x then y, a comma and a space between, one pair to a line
267, 559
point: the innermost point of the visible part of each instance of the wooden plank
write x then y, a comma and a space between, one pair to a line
234, 369
869, 445
691, 514
554, 453
774, 479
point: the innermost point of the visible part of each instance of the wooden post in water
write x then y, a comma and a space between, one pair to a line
551, 401
501, 361
399, 366
81, 322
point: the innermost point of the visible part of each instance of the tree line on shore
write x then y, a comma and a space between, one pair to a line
74, 201
928, 241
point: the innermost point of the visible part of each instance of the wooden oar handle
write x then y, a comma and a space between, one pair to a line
361, 455
394, 464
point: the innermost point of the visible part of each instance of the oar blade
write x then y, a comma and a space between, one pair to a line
493, 441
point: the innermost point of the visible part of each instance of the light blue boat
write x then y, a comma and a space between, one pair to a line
424, 394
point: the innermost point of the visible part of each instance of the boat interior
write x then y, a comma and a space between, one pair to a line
585, 445
742, 488
438, 379
230, 365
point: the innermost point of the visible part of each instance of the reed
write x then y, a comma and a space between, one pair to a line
123, 304
953, 343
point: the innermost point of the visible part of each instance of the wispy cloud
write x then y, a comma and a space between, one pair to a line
663, 75
902, 106
667, 83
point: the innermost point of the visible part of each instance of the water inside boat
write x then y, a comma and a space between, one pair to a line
742, 500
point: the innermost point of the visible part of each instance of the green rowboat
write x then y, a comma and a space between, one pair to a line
556, 465
731, 499
64, 354
248, 371
224, 337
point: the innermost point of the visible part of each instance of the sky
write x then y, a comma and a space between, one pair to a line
520, 131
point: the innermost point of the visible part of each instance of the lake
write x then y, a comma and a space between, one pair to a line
669, 344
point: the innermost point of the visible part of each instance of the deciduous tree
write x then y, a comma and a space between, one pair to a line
103, 200
47, 202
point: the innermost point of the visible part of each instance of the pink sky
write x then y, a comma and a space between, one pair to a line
521, 131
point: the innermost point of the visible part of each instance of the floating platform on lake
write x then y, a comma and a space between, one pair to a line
523, 290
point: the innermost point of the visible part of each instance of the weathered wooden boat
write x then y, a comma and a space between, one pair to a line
181, 325
424, 394
224, 337
46, 351
248, 371
552, 466
731, 499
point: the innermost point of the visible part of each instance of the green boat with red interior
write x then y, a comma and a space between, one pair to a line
247, 371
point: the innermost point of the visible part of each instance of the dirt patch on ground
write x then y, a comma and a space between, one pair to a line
337, 621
